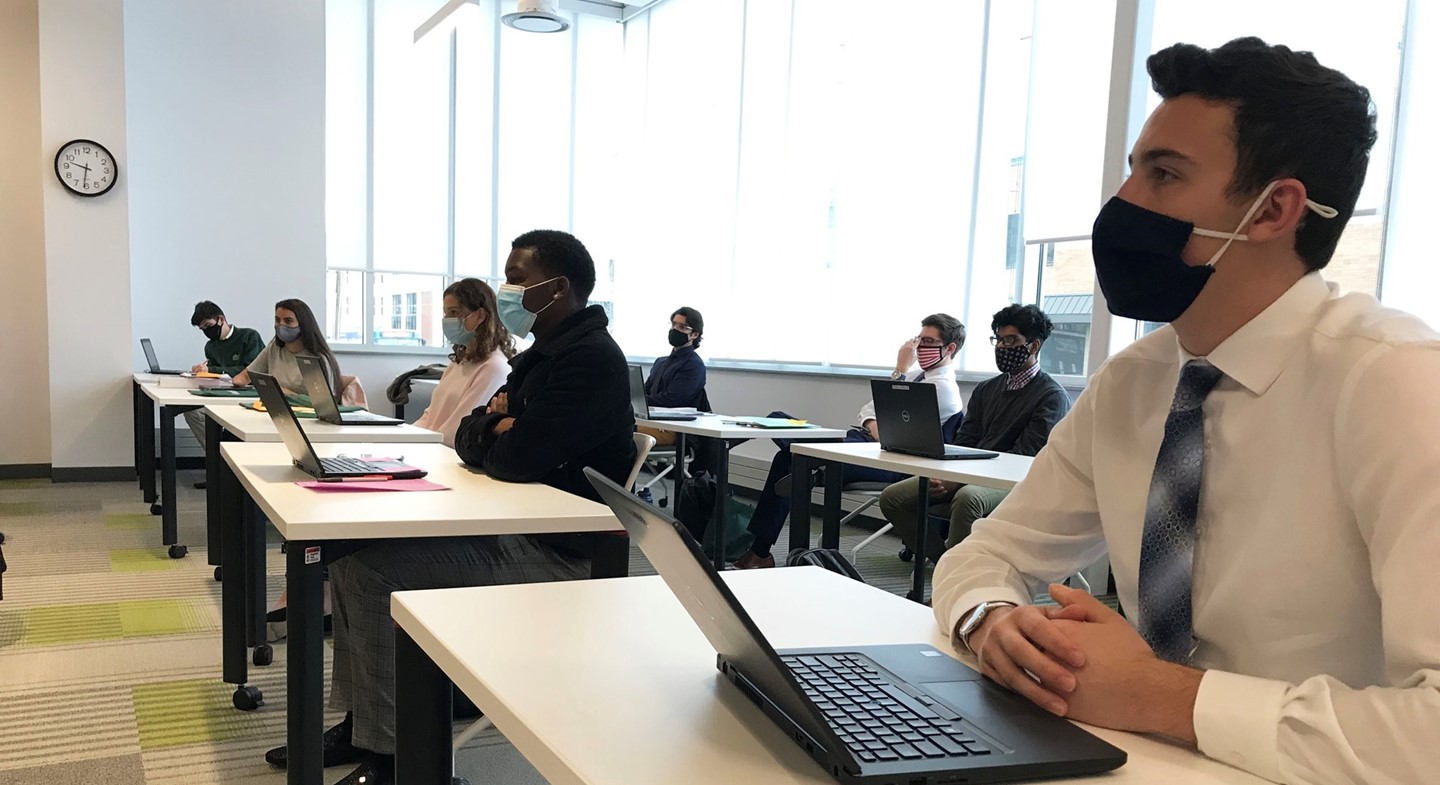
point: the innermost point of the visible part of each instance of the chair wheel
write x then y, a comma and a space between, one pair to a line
178, 551
263, 655
248, 698
906, 554
156, 509
217, 575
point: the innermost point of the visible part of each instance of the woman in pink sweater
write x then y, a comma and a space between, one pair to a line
480, 362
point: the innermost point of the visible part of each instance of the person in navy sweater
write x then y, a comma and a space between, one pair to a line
679, 379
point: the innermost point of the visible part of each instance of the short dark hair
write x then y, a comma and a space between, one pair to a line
1293, 118
205, 310
693, 319
1029, 320
559, 253
951, 330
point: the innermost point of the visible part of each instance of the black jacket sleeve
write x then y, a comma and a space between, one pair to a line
683, 386
470, 437
1048, 412
970, 431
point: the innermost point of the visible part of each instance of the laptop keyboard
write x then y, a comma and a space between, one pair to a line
875, 718
343, 465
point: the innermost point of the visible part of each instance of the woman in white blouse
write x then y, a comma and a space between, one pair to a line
480, 362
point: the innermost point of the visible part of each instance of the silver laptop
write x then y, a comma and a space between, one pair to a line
907, 414
317, 386
152, 362
303, 452
867, 714
641, 407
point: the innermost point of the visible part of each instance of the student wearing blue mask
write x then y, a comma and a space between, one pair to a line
1260, 470
297, 331
480, 360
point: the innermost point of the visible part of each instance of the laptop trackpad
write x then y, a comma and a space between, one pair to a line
976, 699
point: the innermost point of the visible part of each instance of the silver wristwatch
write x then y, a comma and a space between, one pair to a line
897, 376
975, 618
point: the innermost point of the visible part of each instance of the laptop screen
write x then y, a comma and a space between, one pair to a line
907, 415
286, 423
720, 616
640, 408
149, 355
317, 387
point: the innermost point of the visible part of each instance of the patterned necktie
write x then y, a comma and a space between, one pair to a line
1168, 545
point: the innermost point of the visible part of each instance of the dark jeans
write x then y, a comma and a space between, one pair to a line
772, 509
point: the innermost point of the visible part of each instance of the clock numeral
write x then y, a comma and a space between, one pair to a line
107, 170
87, 151
69, 157
69, 176
65, 166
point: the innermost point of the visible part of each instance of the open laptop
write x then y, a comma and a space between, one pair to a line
322, 398
304, 453
641, 407
152, 362
866, 714
907, 415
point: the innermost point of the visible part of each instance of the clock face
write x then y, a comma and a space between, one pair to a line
86, 167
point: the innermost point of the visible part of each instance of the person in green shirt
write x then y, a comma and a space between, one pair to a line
230, 349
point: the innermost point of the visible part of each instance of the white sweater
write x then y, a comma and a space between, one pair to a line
463, 388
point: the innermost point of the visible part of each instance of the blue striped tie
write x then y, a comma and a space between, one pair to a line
1168, 545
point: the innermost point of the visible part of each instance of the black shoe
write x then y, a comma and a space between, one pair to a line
276, 630
337, 747
200, 486
374, 769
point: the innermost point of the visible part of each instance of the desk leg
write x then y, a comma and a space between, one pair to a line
799, 503
612, 556
169, 526
722, 498
423, 716
147, 453
834, 484
137, 397
304, 664
679, 467
214, 434
231, 499
252, 582
922, 547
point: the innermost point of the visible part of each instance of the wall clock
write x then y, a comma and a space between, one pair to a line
86, 168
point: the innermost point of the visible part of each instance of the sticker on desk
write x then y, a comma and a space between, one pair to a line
312, 554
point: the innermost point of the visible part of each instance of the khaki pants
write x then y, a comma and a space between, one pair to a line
663, 438
966, 505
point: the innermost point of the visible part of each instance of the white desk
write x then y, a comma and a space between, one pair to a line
619, 687
147, 393
248, 425
476, 505
1003, 472
723, 428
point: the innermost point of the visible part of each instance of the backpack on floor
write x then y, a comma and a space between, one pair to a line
695, 506
824, 558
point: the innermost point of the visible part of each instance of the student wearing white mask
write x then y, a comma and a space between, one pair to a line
480, 360
1261, 470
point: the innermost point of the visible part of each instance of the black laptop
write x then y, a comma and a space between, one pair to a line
304, 453
641, 407
152, 362
907, 415
867, 714
323, 399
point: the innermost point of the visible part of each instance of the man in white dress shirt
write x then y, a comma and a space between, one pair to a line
1264, 471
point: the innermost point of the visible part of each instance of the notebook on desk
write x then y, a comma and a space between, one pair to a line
303, 452
866, 714
152, 362
323, 399
907, 414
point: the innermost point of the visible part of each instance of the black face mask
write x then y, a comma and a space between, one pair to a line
677, 338
1010, 359
1138, 264
212, 332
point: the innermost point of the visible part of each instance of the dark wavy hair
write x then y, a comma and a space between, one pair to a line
476, 295
312, 337
1293, 118
1028, 319
951, 330
693, 320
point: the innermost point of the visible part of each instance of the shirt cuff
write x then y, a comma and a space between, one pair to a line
970, 599
1237, 721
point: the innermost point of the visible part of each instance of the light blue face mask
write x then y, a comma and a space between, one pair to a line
510, 302
286, 334
455, 332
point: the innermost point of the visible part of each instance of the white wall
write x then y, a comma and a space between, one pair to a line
25, 427
225, 107
87, 254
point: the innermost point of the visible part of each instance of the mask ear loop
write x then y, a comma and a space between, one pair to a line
1310, 204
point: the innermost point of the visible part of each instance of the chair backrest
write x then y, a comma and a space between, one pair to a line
643, 443
952, 426
351, 393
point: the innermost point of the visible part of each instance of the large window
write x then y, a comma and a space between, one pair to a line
811, 176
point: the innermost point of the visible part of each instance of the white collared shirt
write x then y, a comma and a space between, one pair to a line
1317, 554
947, 392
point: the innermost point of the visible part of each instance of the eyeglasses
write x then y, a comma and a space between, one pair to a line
930, 342
1009, 341
684, 328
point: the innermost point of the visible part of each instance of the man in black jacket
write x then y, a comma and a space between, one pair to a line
565, 406
1013, 412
